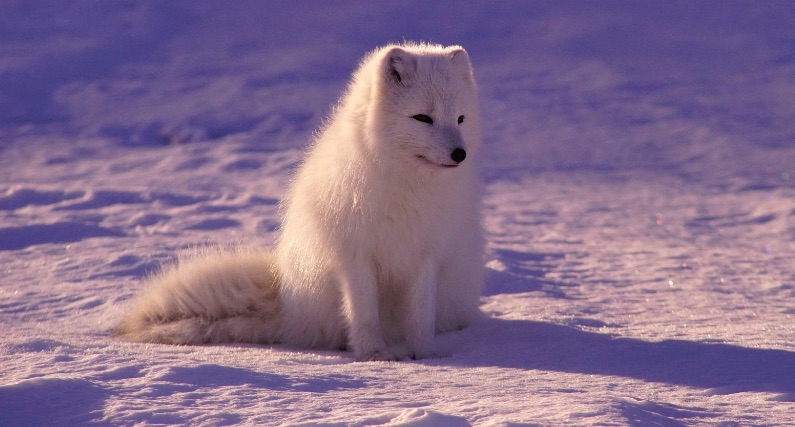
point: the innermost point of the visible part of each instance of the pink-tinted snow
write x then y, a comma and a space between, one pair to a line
640, 209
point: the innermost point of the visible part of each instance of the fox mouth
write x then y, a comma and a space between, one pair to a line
432, 163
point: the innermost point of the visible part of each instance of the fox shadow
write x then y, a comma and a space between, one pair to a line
719, 368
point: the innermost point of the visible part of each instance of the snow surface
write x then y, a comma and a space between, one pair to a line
640, 168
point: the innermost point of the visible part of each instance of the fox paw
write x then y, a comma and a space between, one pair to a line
424, 355
377, 356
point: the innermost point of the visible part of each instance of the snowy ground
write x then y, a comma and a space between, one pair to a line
640, 212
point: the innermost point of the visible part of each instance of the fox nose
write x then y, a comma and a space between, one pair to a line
458, 155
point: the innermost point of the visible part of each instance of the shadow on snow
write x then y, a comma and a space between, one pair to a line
720, 368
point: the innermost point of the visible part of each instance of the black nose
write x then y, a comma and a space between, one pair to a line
458, 155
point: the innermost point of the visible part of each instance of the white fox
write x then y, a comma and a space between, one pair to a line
381, 244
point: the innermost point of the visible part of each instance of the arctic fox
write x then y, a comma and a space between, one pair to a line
381, 244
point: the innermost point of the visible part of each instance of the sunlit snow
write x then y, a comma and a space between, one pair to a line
640, 211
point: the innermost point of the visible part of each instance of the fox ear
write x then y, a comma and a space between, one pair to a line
400, 66
460, 60
460, 57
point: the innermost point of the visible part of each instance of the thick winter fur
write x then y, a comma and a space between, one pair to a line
381, 244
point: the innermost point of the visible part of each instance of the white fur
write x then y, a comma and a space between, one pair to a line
381, 243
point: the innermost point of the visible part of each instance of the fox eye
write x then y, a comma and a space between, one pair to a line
423, 118
460, 119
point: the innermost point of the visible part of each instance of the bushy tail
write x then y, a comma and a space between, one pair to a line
216, 296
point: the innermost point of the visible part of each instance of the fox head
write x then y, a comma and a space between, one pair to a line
423, 106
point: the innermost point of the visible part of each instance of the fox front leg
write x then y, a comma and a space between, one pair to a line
419, 311
360, 296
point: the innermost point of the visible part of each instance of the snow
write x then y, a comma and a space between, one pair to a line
640, 209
